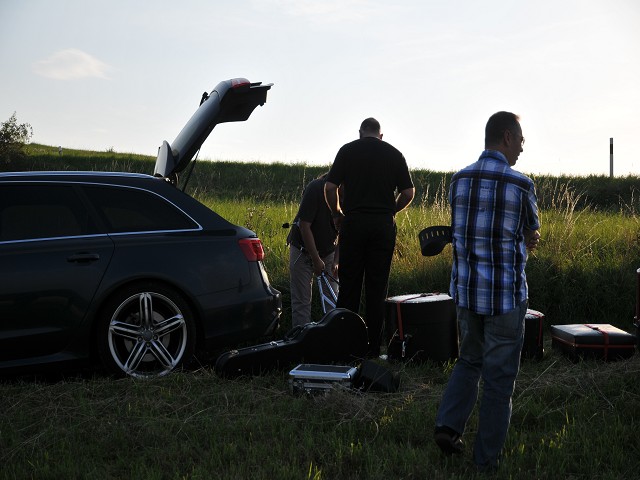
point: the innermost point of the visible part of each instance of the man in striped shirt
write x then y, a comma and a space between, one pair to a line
494, 220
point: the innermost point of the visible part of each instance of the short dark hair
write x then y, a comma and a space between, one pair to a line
370, 125
496, 126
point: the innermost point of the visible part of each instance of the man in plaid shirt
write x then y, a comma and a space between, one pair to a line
494, 220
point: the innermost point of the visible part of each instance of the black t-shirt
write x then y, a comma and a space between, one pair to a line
314, 209
372, 172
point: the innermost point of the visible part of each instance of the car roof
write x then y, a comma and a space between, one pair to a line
110, 177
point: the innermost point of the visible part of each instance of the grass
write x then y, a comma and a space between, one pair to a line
584, 269
570, 420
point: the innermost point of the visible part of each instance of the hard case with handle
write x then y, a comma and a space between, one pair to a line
588, 340
421, 326
533, 347
313, 378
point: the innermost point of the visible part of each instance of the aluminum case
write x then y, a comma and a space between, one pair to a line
309, 378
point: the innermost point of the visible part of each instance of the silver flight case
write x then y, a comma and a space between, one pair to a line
312, 379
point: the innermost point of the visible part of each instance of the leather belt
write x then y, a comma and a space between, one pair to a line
322, 253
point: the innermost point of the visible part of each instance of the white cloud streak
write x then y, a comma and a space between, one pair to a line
71, 64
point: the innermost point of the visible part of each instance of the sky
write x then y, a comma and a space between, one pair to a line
126, 75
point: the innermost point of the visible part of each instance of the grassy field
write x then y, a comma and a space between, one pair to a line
570, 420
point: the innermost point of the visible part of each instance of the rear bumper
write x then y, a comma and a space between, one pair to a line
227, 324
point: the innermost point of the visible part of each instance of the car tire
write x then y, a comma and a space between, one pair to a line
146, 330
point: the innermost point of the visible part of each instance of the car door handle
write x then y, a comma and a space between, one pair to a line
83, 257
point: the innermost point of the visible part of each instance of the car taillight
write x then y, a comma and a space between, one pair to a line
252, 249
239, 82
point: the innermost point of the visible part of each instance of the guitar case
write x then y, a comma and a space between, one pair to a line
339, 336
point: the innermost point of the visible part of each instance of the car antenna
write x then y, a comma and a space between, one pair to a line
204, 98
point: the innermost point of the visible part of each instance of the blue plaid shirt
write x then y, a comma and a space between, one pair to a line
491, 205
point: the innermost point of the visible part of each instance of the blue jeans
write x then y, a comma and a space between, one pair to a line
490, 349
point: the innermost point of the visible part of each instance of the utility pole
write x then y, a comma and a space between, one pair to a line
611, 157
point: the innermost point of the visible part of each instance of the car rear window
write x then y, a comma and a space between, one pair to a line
135, 210
42, 211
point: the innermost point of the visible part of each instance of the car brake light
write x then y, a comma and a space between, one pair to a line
252, 249
239, 82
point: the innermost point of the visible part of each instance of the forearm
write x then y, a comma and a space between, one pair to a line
331, 197
308, 240
404, 199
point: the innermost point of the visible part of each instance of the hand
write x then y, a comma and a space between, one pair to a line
334, 271
318, 266
532, 239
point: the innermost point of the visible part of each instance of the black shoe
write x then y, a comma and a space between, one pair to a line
487, 469
449, 441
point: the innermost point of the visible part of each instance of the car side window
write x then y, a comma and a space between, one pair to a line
135, 210
42, 211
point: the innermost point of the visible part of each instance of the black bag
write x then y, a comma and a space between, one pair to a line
373, 377
339, 336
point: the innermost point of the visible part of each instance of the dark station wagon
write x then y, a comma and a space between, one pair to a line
126, 269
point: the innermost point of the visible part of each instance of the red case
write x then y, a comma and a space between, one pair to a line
599, 340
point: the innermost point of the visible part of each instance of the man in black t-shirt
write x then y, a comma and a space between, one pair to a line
377, 185
312, 249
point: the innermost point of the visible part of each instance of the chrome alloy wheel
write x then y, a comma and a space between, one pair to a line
147, 335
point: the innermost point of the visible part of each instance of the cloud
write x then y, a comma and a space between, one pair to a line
71, 64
